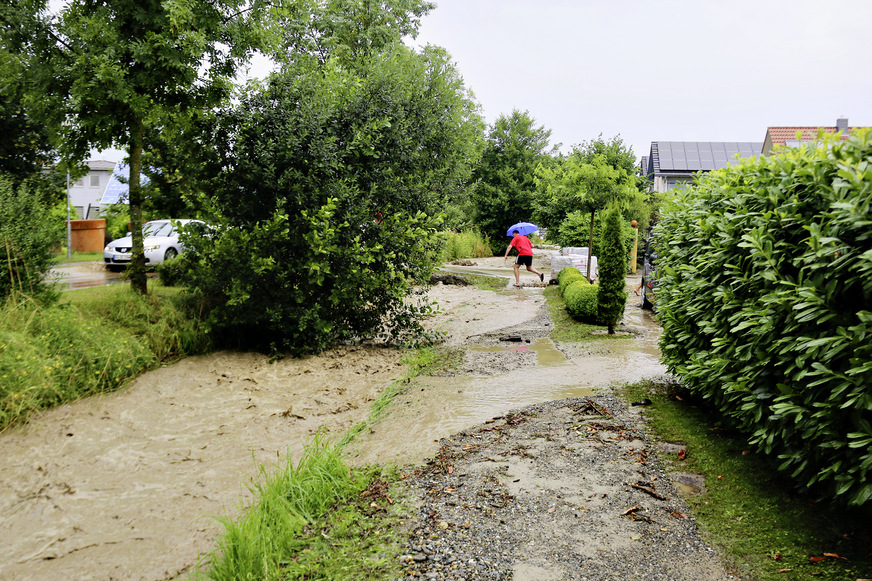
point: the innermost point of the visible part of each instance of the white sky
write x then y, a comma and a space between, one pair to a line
664, 70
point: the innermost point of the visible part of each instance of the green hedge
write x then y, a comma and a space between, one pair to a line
765, 296
567, 276
581, 301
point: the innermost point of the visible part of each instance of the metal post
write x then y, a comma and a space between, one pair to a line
635, 254
69, 224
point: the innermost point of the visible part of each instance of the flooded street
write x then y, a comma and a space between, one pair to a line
127, 485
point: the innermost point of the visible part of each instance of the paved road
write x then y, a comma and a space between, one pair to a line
85, 275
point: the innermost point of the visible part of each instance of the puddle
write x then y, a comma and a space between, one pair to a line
688, 483
546, 352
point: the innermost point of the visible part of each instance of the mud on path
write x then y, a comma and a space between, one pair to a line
127, 485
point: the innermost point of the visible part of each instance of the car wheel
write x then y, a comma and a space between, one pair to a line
170, 253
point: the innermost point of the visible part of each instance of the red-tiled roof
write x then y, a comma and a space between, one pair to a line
781, 135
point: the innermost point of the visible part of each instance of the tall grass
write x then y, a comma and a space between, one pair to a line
55, 353
309, 523
466, 244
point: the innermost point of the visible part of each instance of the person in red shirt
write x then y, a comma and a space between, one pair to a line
525, 256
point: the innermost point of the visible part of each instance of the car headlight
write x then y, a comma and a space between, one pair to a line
108, 248
151, 248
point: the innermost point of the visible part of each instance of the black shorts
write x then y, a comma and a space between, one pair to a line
525, 260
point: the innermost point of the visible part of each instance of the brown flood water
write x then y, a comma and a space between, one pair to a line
128, 485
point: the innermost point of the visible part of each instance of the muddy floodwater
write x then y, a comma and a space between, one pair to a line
128, 485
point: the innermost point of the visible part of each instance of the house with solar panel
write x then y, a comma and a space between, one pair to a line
672, 163
795, 136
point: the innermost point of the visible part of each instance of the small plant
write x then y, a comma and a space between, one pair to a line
581, 301
567, 276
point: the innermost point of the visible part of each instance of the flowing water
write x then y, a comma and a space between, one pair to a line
128, 485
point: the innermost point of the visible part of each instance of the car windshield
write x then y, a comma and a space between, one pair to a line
158, 229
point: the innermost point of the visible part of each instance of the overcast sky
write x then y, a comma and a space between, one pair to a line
666, 70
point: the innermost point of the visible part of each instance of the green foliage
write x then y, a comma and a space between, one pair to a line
765, 295
27, 238
117, 219
109, 73
344, 171
504, 179
312, 520
466, 244
593, 176
305, 282
569, 275
581, 301
612, 256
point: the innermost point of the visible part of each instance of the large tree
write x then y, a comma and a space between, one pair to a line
504, 179
331, 176
109, 71
593, 176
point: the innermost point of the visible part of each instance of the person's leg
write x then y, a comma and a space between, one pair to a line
517, 274
536, 272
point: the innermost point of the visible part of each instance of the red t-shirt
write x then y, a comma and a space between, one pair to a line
523, 245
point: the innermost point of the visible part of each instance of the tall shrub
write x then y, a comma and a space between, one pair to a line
612, 296
765, 296
27, 237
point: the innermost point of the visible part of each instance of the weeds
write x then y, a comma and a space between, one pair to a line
467, 244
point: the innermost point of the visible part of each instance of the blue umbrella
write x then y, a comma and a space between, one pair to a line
523, 227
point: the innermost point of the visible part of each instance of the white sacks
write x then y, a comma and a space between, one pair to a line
579, 261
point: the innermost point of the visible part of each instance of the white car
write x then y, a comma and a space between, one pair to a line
161, 243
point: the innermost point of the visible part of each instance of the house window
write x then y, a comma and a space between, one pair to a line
80, 183
95, 180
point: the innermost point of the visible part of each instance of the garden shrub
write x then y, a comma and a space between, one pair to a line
567, 276
27, 238
581, 301
765, 296
612, 297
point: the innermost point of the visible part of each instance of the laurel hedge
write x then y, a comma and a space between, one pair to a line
765, 297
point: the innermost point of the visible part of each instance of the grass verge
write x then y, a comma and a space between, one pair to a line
62, 258
567, 329
316, 520
768, 530
91, 341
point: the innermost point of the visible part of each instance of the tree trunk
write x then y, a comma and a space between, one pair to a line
137, 262
590, 243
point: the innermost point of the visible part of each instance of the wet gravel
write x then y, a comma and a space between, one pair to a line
568, 489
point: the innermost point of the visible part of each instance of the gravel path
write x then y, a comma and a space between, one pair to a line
563, 490
567, 489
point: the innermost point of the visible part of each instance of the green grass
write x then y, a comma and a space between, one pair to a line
567, 329
61, 257
319, 519
91, 341
766, 528
466, 244
485, 282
